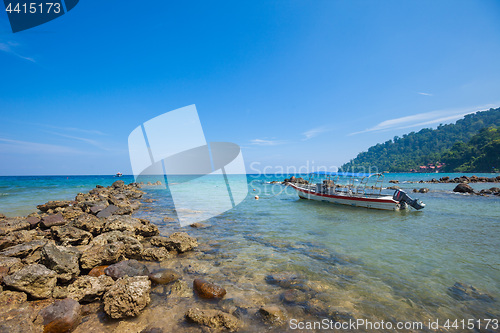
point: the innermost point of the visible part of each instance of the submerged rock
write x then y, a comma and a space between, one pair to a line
164, 276
126, 268
155, 254
61, 316
127, 297
208, 290
273, 315
464, 292
36, 280
284, 279
213, 318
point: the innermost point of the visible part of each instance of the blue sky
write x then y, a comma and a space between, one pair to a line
292, 82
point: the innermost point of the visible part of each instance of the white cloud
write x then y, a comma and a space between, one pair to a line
265, 142
425, 94
425, 118
314, 132
9, 48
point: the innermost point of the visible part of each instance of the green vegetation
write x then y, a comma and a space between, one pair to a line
471, 144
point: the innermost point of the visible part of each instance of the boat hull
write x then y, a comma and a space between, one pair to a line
383, 203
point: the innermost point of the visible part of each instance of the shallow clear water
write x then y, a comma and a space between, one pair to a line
376, 265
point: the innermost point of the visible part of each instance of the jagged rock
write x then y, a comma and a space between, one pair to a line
98, 271
36, 280
133, 248
89, 223
139, 227
98, 255
213, 318
178, 241
126, 268
127, 297
17, 237
54, 204
8, 225
33, 221
205, 289
118, 184
273, 315
69, 213
108, 211
61, 316
423, 190
63, 262
11, 263
49, 221
463, 292
23, 250
88, 289
68, 235
155, 254
463, 188
164, 276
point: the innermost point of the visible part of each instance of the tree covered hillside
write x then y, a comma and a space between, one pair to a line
426, 146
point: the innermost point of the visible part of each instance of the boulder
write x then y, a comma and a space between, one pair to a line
126, 268
208, 290
54, 204
106, 212
178, 241
118, 184
68, 235
69, 213
444, 179
127, 297
423, 190
63, 262
88, 289
89, 223
11, 263
33, 221
155, 254
98, 255
50, 221
24, 250
60, 316
17, 237
36, 280
273, 315
136, 226
213, 318
164, 276
133, 248
98, 271
463, 188
8, 225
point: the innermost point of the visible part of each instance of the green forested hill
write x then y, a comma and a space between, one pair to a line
431, 146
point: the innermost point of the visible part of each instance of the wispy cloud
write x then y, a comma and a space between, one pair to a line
266, 142
425, 118
77, 138
314, 132
425, 94
25, 147
9, 47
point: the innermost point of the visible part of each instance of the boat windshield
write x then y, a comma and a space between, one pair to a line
359, 184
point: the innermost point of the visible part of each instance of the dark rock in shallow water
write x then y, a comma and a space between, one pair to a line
36, 280
53, 220
164, 276
463, 292
213, 318
273, 315
284, 279
126, 268
2, 216
463, 188
61, 316
294, 296
208, 290
423, 190
63, 262
127, 297
68, 235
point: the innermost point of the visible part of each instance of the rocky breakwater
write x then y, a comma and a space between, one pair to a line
295, 180
84, 254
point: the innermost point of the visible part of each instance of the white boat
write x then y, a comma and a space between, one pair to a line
355, 193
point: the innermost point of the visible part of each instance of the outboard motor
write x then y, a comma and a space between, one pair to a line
402, 197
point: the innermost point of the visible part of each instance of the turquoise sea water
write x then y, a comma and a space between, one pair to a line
376, 265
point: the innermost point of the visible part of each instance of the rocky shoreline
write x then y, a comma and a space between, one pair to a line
76, 258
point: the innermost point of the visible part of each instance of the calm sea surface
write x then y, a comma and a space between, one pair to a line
376, 265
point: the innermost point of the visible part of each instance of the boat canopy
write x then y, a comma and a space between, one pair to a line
342, 174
